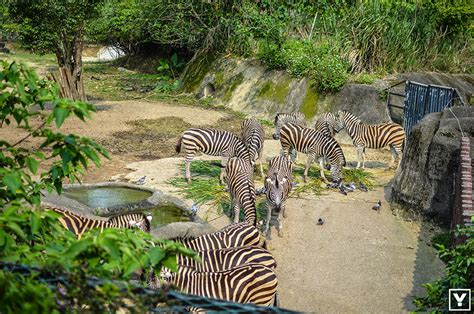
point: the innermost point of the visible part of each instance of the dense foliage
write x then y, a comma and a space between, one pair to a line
34, 237
459, 273
324, 40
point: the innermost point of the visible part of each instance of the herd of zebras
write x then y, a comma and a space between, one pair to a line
234, 266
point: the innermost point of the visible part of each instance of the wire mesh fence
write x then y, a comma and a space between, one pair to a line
155, 301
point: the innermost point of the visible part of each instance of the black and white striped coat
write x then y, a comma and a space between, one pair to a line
253, 136
223, 259
373, 136
278, 184
327, 124
241, 189
234, 235
250, 283
79, 224
316, 146
211, 142
283, 118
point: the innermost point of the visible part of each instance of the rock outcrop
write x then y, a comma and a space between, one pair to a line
425, 181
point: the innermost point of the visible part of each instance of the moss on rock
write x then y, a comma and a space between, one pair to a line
197, 71
276, 92
231, 86
309, 107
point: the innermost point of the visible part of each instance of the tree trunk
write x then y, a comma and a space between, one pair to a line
69, 76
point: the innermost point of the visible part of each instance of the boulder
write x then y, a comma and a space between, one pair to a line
424, 182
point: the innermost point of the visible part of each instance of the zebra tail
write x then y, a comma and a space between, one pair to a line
178, 145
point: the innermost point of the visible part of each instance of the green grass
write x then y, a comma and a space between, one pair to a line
358, 176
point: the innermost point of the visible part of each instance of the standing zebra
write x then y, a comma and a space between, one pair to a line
223, 259
283, 118
211, 142
315, 145
242, 189
373, 136
278, 184
251, 283
234, 235
79, 224
253, 136
328, 124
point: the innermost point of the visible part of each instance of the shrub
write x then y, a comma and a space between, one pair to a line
328, 72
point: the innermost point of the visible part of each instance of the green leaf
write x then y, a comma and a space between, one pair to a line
171, 263
110, 247
13, 226
35, 223
32, 164
131, 267
77, 248
59, 115
156, 254
12, 180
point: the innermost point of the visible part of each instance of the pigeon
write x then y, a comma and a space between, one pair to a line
294, 184
334, 185
194, 209
363, 187
141, 181
342, 190
352, 186
320, 221
377, 206
348, 188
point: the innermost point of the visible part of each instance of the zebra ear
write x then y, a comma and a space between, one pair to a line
149, 217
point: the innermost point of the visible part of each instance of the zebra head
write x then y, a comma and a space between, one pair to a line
143, 222
276, 189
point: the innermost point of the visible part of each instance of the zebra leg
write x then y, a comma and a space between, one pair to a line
188, 168
261, 164
359, 150
308, 164
267, 224
280, 219
223, 173
321, 169
363, 158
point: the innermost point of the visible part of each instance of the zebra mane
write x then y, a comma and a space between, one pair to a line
351, 116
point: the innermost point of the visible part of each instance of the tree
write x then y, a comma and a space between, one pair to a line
34, 238
56, 27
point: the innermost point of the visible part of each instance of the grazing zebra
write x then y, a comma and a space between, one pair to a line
223, 259
278, 184
315, 145
242, 189
373, 136
234, 235
328, 124
211, 142
79, 224
253, 136
251, 283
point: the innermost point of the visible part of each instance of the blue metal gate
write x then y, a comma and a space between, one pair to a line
420, 100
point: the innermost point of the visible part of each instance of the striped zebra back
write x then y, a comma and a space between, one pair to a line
78, 224
372, 135
310, 141
283, 118
253, 136
224, 259
241, 188
327, 124
278, 182
234, 235
212, 142
251, 283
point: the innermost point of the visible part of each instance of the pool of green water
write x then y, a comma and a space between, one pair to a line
163, 215
106, 196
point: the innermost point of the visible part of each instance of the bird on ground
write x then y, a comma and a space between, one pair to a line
320, 221
352, 186
293, 184
377, 206
342, 189
260, 191
194, 209
348, 188
363, 187
141, 181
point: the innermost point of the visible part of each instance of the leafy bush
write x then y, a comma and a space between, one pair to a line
328, 72
35, 237
459, 273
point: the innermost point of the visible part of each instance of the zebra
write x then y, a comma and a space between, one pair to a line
211, 142
253, 136
227, 258
328, 124
234, 235
316, 145
250, 283
79, 224
278, 184
373, 136
242, 189
281, 119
